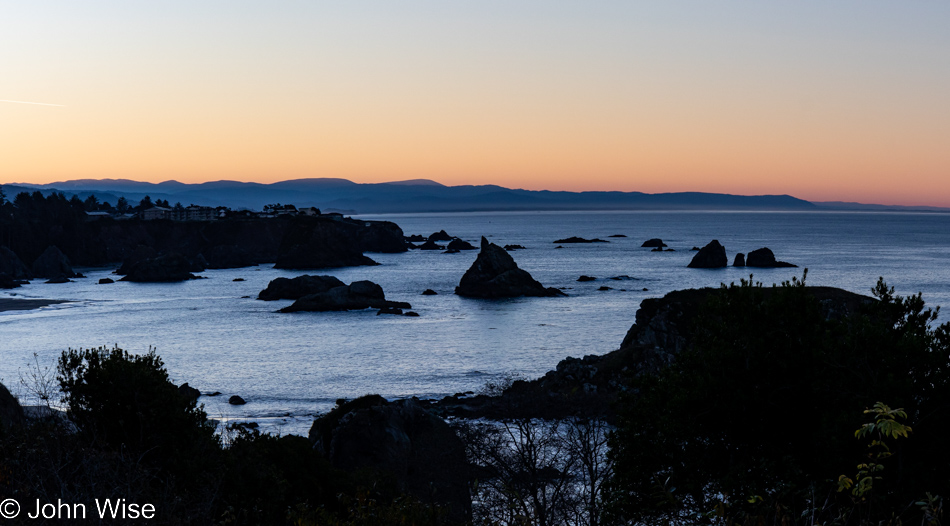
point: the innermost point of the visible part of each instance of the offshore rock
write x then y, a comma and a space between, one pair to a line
494, 274
653, 243
431, 245
296, 288
355, 296
52, 263
441, 235
12, 266
712, 255
739, 261
402, 442
575, 239
764, 257
458, 244
161, 269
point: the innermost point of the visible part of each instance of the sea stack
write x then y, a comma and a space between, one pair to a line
712, 255
494, 274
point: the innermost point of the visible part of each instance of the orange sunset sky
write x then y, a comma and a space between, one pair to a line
845, 100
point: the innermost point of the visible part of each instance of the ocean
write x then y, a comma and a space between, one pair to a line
290, 367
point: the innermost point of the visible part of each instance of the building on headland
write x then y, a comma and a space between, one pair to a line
156, 212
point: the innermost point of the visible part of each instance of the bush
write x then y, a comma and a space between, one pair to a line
125, 402
763, 407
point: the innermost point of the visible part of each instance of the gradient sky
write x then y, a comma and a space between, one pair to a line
843, 100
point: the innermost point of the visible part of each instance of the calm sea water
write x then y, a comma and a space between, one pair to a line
291, 366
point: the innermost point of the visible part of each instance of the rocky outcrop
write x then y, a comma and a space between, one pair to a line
509, 248
11, 414
12, 267
236, 400
416, 238
355, 296
296, 288
228, 256
458, 244
589, 386
312, 243
764, 257
188, 391
575, 239
494, 274
429, 292
712, 255
441, 235
430, 245
52, 263
402, 442
586, 278
654, 243
6, 282
161, 269
739, 261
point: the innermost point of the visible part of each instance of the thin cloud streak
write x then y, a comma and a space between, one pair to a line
36, 103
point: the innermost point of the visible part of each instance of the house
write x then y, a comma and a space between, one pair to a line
156, 212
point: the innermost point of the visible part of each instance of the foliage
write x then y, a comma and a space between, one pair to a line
127, 403
538, 472
757, 413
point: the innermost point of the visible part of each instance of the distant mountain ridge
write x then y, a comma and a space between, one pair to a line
417, 195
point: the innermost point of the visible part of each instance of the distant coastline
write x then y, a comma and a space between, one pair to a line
424, 196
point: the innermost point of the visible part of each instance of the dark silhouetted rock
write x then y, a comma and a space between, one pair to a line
739, 261
188, 391
416, 238
712, 255
355, 296
389, 310
412, 314
236, 400
621, 277
312, 243
167, 268
12, 267
586, 278
441, 235
11, 413
140, 253
458, 244
575, 239
605, 288
401, 440
431, 245
106, 281
296, 288
509, 248
227, 256
429, 292
617, 235
238, 279
61, 279
494, 274
695, 249
6, 282
657, 249
53, 264
764, 257
653, 243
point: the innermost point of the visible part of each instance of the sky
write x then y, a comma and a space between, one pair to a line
845, 100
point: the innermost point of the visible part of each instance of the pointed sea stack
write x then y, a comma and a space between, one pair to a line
496, 275
712, 255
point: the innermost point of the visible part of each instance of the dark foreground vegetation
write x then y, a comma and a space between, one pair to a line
742, 405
